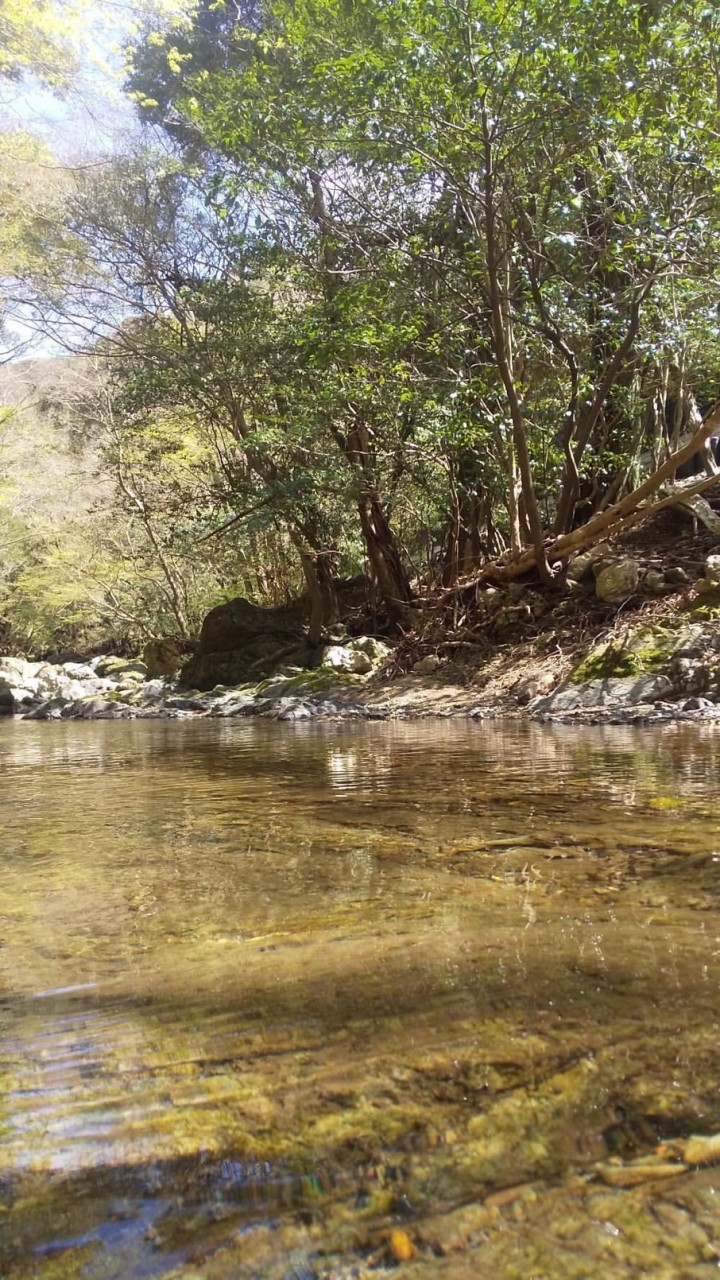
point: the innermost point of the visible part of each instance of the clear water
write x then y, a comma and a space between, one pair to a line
297, 1001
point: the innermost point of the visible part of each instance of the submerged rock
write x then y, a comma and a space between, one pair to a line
702, 1149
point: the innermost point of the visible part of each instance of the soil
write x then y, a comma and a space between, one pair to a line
485, 666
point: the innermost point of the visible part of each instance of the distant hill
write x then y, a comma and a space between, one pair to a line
49, 470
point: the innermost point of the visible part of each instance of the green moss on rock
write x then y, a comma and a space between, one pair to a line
643, 652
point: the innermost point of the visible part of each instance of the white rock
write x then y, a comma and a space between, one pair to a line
712, 569
342, 658
376, 650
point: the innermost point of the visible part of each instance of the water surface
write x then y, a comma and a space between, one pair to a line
270, 994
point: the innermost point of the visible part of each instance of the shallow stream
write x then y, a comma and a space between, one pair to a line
346, 1000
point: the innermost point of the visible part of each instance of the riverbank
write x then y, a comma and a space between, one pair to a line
632, 637
650, 673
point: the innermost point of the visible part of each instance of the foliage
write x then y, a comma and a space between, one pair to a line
34, 38
402, 286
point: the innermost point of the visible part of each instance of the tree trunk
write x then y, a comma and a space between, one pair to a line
502, 342
385, 559
321, 589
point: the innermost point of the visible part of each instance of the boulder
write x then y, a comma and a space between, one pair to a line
690, 673
120, 669
377, 650
7, 700
349, 660
582, 564
50, 710
677, 576
78, 670
162, 657
94, 708
617, 582
620, 692
241, 642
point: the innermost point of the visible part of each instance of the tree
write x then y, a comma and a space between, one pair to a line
561, 157
35, 38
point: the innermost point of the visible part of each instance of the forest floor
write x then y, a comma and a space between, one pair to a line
505, 659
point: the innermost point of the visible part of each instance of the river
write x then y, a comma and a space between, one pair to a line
340, 1000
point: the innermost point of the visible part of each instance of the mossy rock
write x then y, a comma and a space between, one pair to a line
115, 668
705, 607
319, 680
646, 651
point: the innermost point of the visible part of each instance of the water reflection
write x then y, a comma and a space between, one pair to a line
455, 951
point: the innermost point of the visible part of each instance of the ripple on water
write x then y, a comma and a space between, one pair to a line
323, 982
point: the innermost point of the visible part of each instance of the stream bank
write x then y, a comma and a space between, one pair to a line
631, 636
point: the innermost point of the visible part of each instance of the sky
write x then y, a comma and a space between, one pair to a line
88, 124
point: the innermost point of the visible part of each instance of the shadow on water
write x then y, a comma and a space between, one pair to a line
268, 994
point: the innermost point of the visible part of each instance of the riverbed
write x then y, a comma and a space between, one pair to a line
333, 1000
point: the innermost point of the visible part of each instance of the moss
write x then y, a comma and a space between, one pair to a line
705, 607
644, 651
606, 662
319, 680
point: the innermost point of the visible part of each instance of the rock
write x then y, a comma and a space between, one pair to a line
120, 669
162, 657
298, 711
52, 709
689, 674
93, 708
428, 666
7, 700
151, 691
515, 592
242, 704
529, 687
17, 670
617, 582
489, 599
186, 702
655, 583
581, 565
346, 659
78, 670
712, 570
697, 704
377, 650
617, 692
241, 642
676, 576
702, 1149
